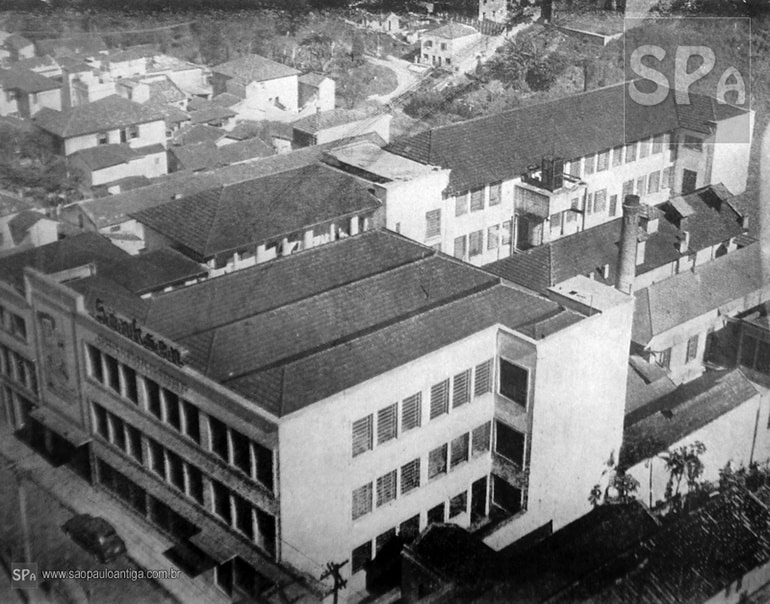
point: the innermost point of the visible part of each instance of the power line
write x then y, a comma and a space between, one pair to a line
105, 33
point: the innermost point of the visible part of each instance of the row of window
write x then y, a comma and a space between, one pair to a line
471, 245
629, 153
251, 458
126, 134
387, 425
17, 368
13, 324
474, 199
402, 481
654, 182
235, 511
663, 358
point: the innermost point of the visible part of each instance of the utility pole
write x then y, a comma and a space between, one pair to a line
333, 571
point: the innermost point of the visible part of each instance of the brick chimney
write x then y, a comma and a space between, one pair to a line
629, 231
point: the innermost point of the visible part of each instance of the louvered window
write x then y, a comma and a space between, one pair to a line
459, 450
617, 156
410, 476
383, 539
630, 152
477, 199
387, 420
362, 435
481, 438
386, 488
433, 223
439, 399
461, 388
410, 412
483, 380
476, 243
361, 557
495, 193
362, 501
603, 161
461, 204
590, 163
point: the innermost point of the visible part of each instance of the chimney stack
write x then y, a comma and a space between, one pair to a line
629, 231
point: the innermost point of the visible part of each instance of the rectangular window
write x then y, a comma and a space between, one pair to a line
439, 399
130, 390
218, 432
603, 161
461, 204
387, 423
133, 131
460, 243
590, 163
506, 496
113, 377
628, 188
459, 450
458, 504
102, 138
157, 459
495, 193
644, 148
241, 452
195, 483
437, 461
362, 501
173, 414
477, 199
191, 421
665, 181
386, 488
613, 205
481, 438
575, 168
653, 186
244, 517
95, 363
362, 435
509, 443
410, 476
692, 348
134, 443
476, 243
506, 240
493, 237
482, 382
513, 382
640, 185
617, 156
555, 220
264, 461
436, 514
152, 390
600, 201
630, 152
433, 223
409, 529
664, 358
461, 388
411, 412
100, 421
175, 470
383, 539
693, 142
221, 497
361, 557
657, 143
589, 203
118, 432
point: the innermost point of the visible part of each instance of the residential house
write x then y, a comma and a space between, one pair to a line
449, 45
24, 93
327, 126
524, 177
202, 111
237, 225
106, 164
23, 225
493, 10
436, 408
19, 47
190, 78
46, 66
316, 92
260, 80
207, 155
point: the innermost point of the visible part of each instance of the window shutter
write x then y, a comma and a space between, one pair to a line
387, 420
410, 476
439, 399
410, 412
386, 488
362, 435
362, 501
461, 388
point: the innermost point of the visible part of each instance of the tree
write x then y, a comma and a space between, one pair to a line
620, 487
683, 464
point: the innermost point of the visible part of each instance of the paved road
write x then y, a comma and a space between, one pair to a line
406, 77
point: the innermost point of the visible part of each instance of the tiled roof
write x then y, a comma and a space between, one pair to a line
197, 156
251, 212
714, 221
207, 155
105, 156
693, 558
254, 68
334, 117
645, 383
197, 133
501, 146
58, 256
312, 79
154, 270
20, 224
110, 112
26, 80
687, 295
10, 204
662, 423
165, 91
33, 62
452, 31
244, 130
212, 113
74, 64
225, 99
16, 41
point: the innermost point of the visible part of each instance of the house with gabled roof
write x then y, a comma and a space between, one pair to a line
24, 93
253, 77
19, 47
447, 46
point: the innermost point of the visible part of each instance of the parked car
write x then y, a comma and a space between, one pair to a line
95, 535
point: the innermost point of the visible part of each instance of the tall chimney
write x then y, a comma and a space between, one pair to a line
629, 232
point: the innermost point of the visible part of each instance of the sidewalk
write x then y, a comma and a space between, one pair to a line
145, 546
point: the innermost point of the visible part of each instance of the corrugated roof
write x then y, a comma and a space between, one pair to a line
660, 424
501, 146
254, 68
110, 112
251, 212
687, 295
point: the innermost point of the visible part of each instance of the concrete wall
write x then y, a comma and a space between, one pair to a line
318, 472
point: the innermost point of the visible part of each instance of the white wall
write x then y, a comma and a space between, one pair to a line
731, 152
284, 89
150, 133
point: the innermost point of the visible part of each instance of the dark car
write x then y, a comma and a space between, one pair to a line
96, 536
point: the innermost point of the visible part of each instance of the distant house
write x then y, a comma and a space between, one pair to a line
24, 93
190, 78
22, 225
327, 126
107, 164
253, 77
448, 45
318, 90
206, 112
493, 10
45, 66
390, 23
19, 47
